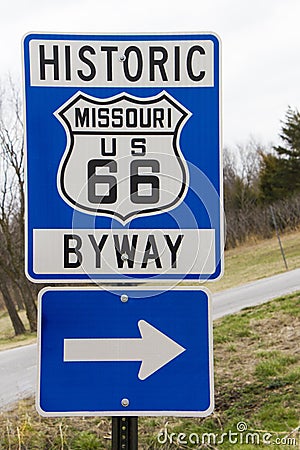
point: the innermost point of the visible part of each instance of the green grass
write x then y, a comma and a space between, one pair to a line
257, 382
273, 364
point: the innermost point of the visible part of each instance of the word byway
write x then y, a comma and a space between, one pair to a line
124, 251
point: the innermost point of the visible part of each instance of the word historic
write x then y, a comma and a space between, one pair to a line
102, 63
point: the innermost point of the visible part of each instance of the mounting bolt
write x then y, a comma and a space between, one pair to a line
124, 298
125, 402
124, 257
122, 58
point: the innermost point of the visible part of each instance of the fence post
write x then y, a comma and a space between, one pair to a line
278, 237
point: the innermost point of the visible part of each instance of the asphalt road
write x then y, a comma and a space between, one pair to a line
18, 366
17, 374
232, 300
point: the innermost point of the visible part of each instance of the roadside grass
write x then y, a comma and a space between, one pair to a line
257, 396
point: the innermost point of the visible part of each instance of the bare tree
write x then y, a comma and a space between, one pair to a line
16, 321
12, 199
246, 215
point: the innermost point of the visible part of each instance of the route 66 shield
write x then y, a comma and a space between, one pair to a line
123, 157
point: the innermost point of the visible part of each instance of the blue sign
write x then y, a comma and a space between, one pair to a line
127, 352
123, 157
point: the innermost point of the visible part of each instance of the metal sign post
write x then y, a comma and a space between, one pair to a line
124, 433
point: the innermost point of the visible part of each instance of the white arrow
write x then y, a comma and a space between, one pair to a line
154, 349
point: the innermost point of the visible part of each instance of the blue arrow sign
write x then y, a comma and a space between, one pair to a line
150, 354
123, 143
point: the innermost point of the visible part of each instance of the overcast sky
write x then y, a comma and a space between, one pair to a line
260, 39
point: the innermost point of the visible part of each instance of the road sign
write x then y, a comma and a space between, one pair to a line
123, 157
111, 353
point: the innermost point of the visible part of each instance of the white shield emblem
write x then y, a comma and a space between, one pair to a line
123, 157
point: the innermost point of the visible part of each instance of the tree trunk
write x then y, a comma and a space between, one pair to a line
18, 296
12, 311
30, 306
23, 285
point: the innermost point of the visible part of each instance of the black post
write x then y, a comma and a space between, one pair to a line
124, 433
